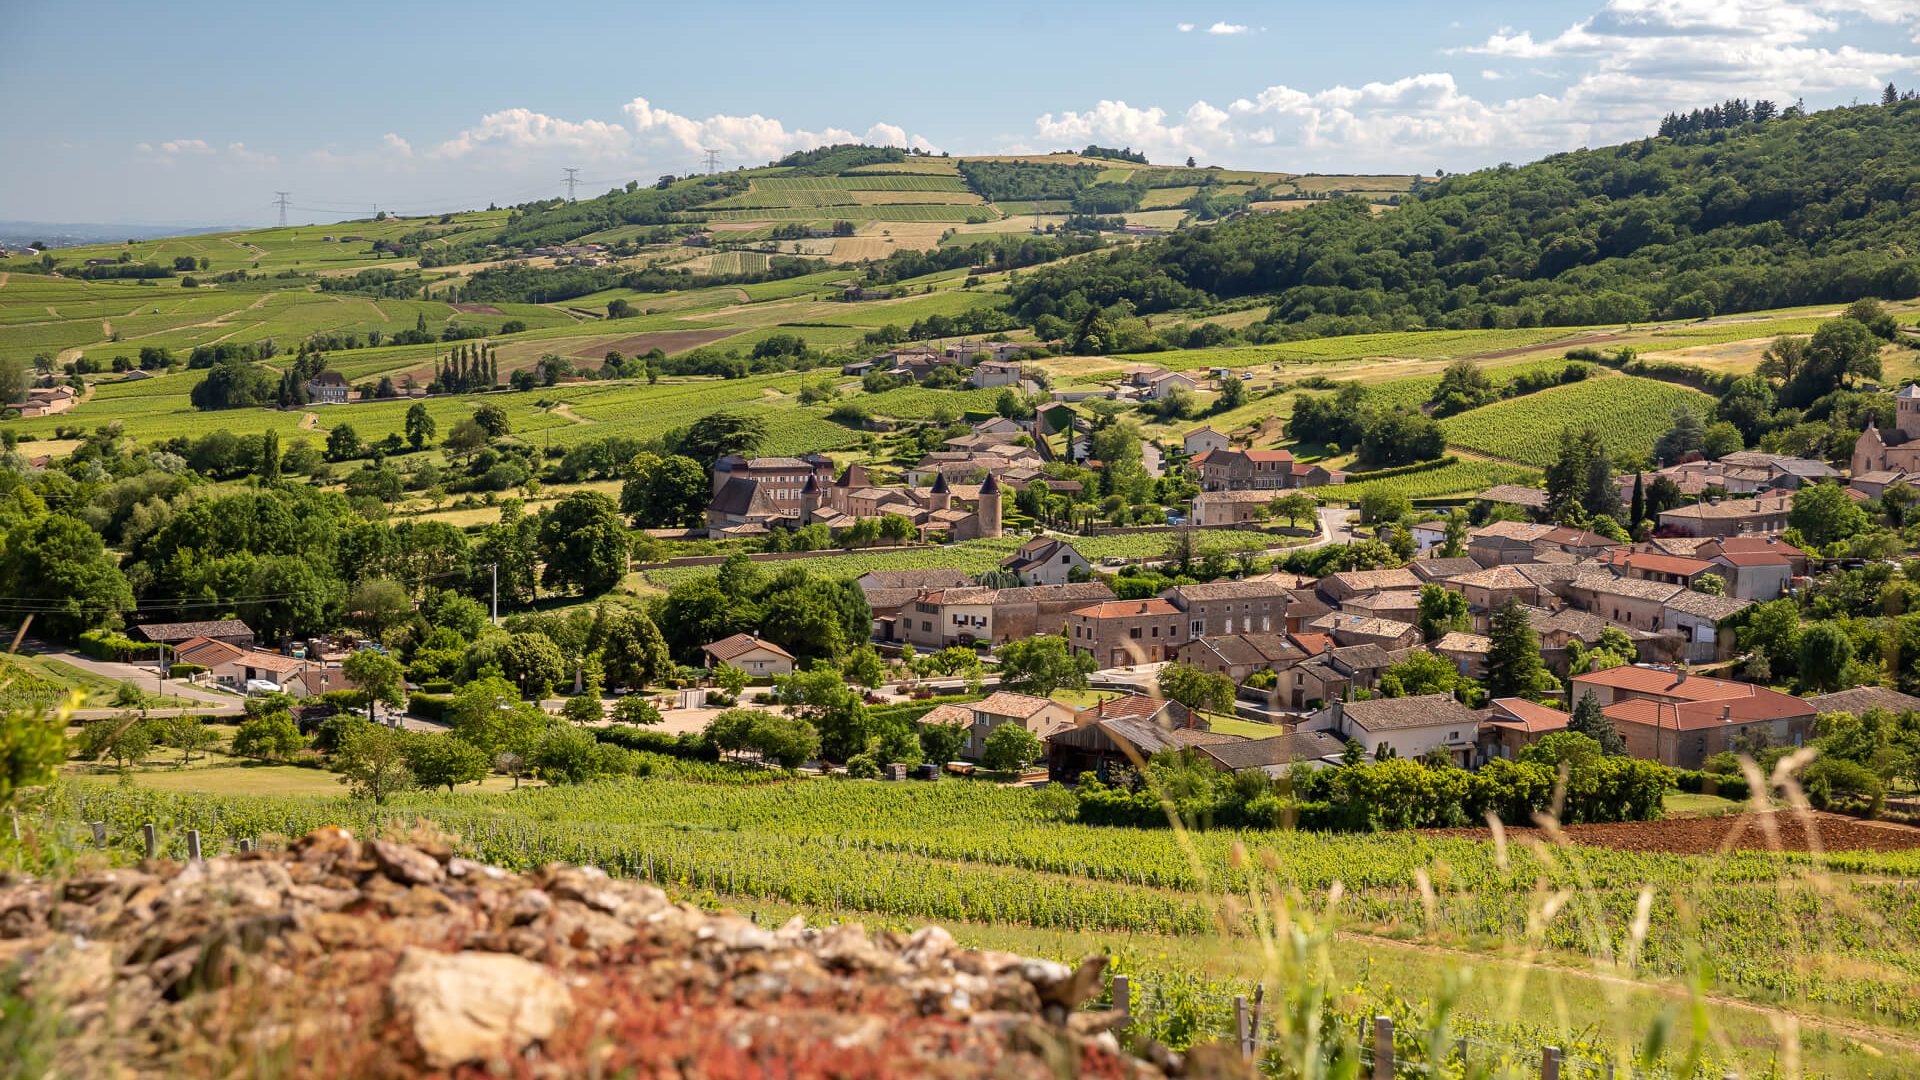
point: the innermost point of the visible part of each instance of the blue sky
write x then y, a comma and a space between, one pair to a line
198, 112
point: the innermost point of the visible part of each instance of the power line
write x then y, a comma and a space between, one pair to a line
283, 197
713, 160
572, 181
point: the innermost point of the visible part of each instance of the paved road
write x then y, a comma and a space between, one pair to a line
143, 676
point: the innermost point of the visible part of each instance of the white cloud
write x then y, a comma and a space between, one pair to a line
1185, 27
1609, 77
750, 139
175, 148
523, 130
1228, 28
397, 145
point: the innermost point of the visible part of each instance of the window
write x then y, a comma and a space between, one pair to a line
1199, 628
1134, 633
1156, 631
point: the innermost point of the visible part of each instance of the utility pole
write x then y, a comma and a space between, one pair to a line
495, 568
572, 181
713, 160
282, 201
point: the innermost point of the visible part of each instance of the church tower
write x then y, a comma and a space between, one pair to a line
941, 497
987, 513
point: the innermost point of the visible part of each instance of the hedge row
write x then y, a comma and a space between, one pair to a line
1402, 470
1386, 795
107, 645
688, 746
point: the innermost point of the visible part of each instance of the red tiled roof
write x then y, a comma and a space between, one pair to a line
1121, 609
1529, 715
1695, 715
1661, 564
741, 644
1757, 543
1007, 703
1645, 680
1756, 558
1314, 644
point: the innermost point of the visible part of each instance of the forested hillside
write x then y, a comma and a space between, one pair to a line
1790, 210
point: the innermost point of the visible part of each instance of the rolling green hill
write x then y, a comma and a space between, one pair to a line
1799, 209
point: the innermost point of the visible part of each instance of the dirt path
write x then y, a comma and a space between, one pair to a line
565, 409
3, 279
106, 329
310, 422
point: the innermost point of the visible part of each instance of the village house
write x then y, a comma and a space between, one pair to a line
1365, 629
1047, 560
1501, 542
230, 631
1216, 508
1626, 601
1276, 756
1401, 605
1655, 566
1680, 720
991, 373
1041, 716
1754, 567
246, 670
1232, 469
1763, 514
1227, 607
963, 616
1859, 699
757, 657
1532, 500
1697, 617
1466, 652
1441, 570
888, 592
1240, 656
1407, 727
1123, 633
1201, 440
1125, 732
1159, 386
1493, 586
1513, 724
1428, 535
47, 401
1350, 583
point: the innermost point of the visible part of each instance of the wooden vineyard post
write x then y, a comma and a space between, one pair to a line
152, 838
1383, 1048
193, 845
1550, 1063
1123, 1000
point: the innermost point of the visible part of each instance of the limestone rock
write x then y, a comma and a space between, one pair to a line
473, 1006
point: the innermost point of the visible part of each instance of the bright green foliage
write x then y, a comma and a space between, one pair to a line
272, 735
1041, 664
1010, 747
372, 761
445, 760
1196, 689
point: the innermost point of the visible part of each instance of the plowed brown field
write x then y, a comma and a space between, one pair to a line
1746, 832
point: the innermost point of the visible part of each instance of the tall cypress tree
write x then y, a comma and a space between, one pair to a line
1638, 512
1590, 721
1514, 668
